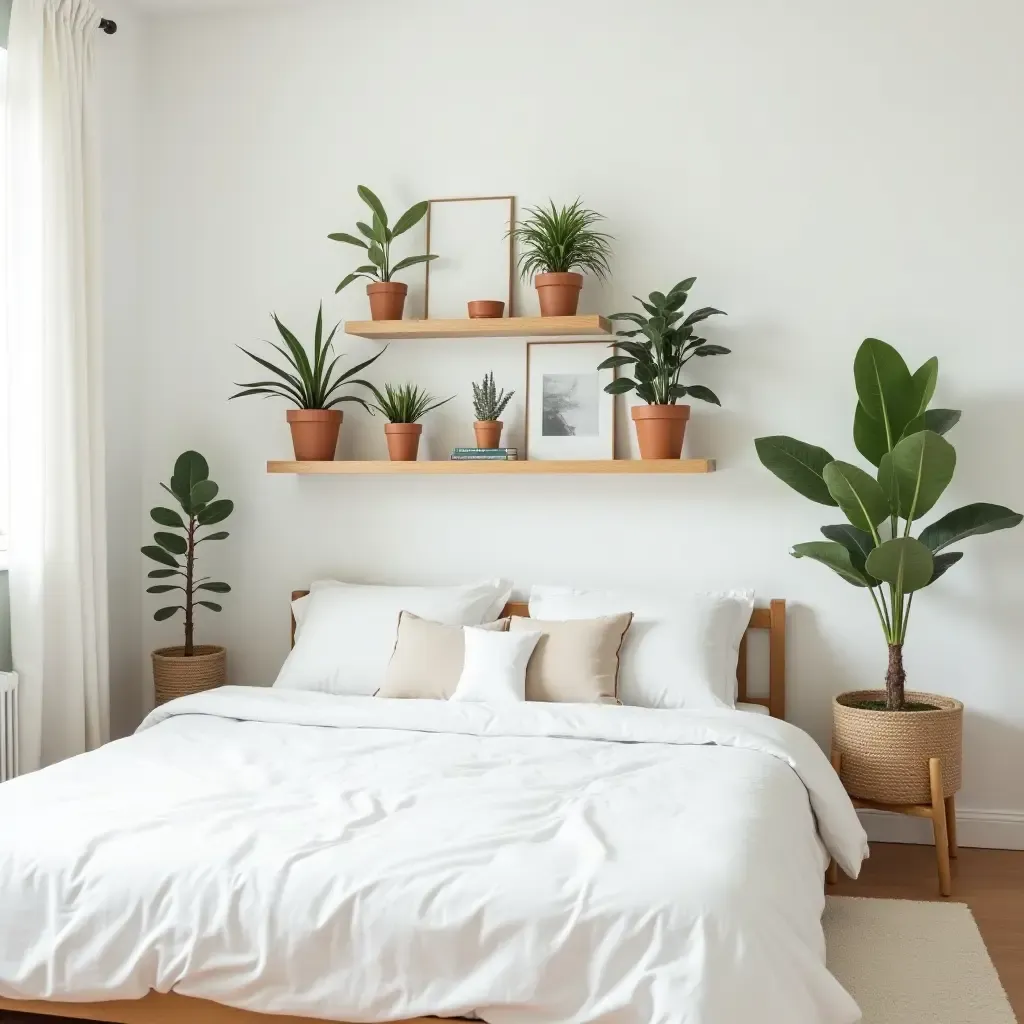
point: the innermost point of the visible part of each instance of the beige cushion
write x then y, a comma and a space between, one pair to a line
576, 661
427, 660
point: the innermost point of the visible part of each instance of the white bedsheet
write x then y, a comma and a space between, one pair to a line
371, 860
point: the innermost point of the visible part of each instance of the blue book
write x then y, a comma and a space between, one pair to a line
485, 451
484, 458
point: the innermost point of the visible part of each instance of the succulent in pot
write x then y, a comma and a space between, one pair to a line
886, 738
665, 343
387, 296
488, 405
190, 668
556, 244
311, 385
403, 407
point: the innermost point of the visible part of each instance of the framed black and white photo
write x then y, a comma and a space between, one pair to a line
568, 413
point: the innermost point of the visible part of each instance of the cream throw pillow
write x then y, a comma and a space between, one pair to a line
575, 661
428, 658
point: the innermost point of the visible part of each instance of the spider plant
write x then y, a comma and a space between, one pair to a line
560, 241
307, 383
488, 404
376, 240
406, 403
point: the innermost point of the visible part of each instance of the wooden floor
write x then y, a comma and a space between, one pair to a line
990, 882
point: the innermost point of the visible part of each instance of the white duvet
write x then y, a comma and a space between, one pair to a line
359, 859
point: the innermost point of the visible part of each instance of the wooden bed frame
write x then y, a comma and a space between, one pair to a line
157, 1008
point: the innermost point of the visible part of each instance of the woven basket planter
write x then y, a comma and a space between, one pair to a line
175, 676
885, 753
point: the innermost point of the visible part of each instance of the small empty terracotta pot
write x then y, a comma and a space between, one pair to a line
387, 299
559, 294
488, 433
403, 441
486, 309
660, 429
315, 433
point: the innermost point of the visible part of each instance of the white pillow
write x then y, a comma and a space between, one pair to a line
494, 670
681, 650
346, 633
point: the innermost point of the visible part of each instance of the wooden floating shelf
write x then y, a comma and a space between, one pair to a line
494, 467
499, 327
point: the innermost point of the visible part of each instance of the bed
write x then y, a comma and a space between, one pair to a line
251, 853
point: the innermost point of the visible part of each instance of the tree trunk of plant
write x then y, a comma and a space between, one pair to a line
190, 564
895, 678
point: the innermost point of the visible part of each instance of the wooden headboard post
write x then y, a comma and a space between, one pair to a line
773, 619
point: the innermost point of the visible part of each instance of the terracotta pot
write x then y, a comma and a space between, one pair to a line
403, 441
387, 299
559, 294
174, 675
486, 309
885, 753
660, 429
315, 433
488, 433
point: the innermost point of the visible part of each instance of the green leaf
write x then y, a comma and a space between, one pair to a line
702, 314
161, 556
703, 393
163, 574
410, 261
798, 464
711, 350
859, 496
376, 255
190, 468
924, 380
341, 236
916, 472
968, 521
346, 281
410, 219
620, 386
885, 387
941, 421
835, 556
943, 562
859, 543
215, 588
869, 436
167, 517
213, 536
904, 563
613, 361
216, 512
373, 203
366, 230
209, 604
203, 493
162, 589
171, 542
166, 613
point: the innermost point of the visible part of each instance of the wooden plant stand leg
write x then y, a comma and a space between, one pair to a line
832, 874
942, 839
954, 849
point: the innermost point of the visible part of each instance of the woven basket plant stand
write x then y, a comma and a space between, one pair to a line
177, 676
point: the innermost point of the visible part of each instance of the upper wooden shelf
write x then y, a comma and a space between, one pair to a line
499, 327
494, 467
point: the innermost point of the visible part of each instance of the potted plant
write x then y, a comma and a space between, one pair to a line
404, 407
178, 671
886, 738
556, 244
387, 296
658, 358
488, 405
312, 386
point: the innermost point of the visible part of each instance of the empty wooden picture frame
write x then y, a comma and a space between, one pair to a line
472, 236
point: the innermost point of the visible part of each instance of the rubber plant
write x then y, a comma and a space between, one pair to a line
176, 552
387, 296
913, 464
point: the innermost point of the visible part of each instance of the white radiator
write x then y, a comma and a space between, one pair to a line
8, 726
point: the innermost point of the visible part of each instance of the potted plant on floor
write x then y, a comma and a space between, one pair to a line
488, 405
191, 668
311, 385
556, 244
404, 407
387, 296
665, 344
886, 738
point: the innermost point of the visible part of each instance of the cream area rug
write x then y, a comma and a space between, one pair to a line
904, 962
907, 962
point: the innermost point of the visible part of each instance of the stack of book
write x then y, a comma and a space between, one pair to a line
500, 454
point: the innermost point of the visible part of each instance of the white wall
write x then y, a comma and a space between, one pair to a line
828, 171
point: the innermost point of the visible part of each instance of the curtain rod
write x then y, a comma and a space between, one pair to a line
108, 26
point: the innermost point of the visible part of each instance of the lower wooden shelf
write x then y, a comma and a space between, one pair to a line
492, 468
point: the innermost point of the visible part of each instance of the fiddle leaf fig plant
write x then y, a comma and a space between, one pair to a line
176, 552
903, 440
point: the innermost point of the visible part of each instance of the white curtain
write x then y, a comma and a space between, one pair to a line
57, 515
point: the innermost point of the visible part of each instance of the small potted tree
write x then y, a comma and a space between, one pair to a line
311, 385
387, 296
555, 245
665, 343
191, 668
886, 739
403, 407
488, 405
